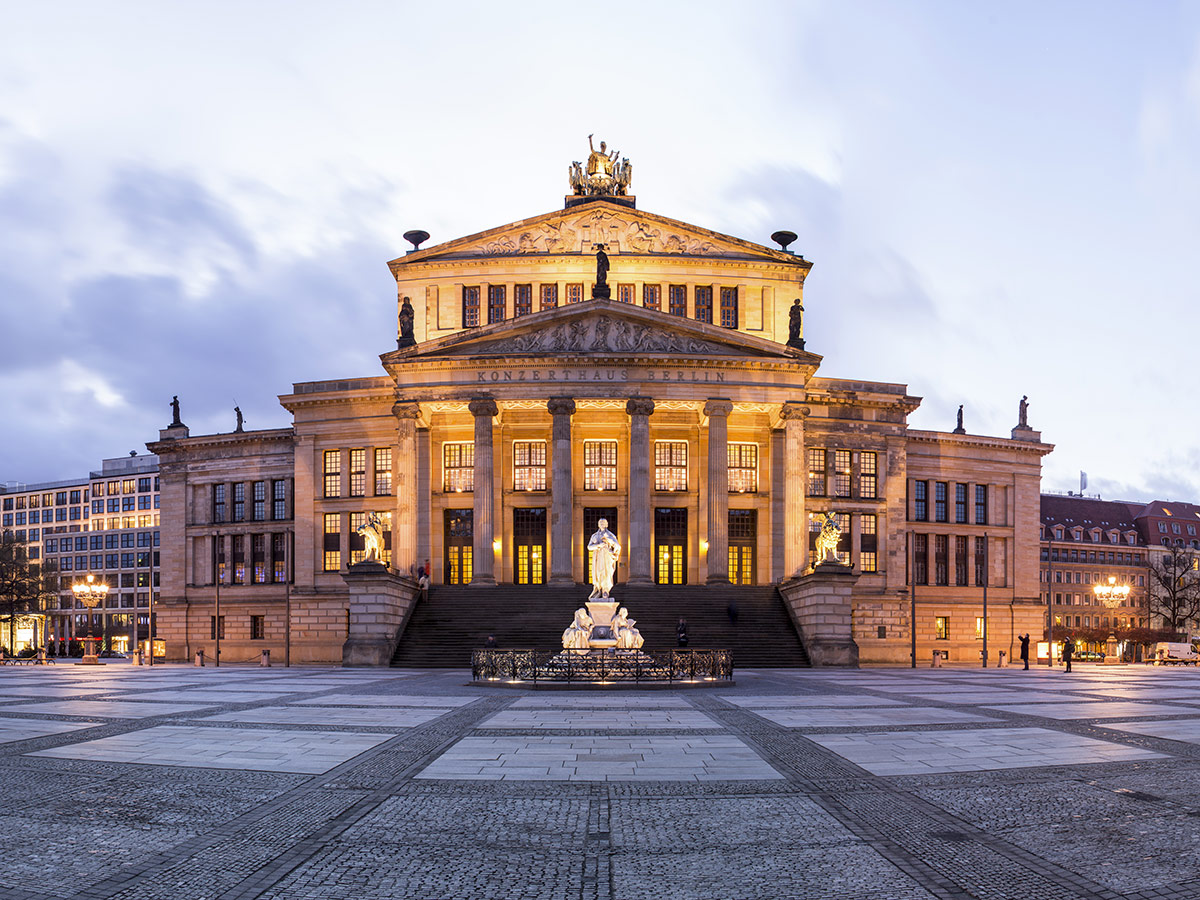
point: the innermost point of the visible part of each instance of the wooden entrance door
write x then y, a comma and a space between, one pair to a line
670, 545
460, 545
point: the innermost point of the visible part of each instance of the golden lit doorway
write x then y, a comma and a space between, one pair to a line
459, 542
743, 545
529, 545
670, 545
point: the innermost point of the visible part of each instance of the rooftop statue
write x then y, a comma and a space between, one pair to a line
605, 172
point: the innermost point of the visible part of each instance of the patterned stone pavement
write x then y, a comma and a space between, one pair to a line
306, 784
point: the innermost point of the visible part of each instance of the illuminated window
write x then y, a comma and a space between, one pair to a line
574, 293
497, 301
470, 307
626, 292
941, 626
729, 307
258, 559
358, 544
529, 465
868, 475
358, 473
743, 468
816, 473
599, 465
333, 473
383, 471
333, 542
458, 467
704, 306
652, 296
841, 473
279, 557
239, 559
868, 543
549, 296
677, 300
522, 300
670, 465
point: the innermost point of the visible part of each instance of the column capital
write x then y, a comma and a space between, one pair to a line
406, 409
561, 406
639, 406
483, 406
794, 411
718, 407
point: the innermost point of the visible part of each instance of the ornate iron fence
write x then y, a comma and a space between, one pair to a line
602, 666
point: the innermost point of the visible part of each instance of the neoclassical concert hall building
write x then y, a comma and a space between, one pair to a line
598, 361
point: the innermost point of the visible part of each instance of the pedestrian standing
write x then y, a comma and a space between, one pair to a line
681, 635
1025, 650
1068, 652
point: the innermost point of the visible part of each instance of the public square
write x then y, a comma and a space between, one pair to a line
307, 784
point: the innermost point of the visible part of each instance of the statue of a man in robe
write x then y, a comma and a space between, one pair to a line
600, 162
605, 550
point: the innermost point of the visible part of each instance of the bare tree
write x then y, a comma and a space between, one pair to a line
24, 585
1174, 588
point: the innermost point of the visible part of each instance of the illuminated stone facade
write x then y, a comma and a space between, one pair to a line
519, 408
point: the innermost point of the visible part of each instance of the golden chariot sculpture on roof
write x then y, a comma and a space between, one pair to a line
606, 173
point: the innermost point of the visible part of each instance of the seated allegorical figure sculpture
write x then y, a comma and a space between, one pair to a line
578, 632
605, 550
628, 637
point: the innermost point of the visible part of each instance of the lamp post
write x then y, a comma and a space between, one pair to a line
90, 593
1111, 595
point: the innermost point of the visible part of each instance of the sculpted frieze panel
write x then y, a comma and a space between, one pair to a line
601, 334
568, 234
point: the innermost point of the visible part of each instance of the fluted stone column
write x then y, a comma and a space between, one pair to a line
795, 485
484, 410
561, 571
718, 490
640, 551
404, 484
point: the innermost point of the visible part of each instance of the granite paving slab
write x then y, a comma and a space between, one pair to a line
852, 718
599, 719
108, 709
13, 729
386, 717
1098, 709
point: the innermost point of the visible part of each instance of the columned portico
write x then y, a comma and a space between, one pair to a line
561, 408
404, 475
795, 527
484, 410
718, 412
639, 410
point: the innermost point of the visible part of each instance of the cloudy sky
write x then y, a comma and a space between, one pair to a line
998, 199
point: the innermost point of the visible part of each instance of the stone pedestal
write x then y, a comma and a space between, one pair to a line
819, 603
602, 613
380, 604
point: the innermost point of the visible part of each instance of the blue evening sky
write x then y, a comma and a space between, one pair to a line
998, 199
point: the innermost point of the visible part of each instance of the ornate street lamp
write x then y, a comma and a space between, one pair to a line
91, 594
1111, 595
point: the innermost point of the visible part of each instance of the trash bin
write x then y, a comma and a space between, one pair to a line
137, 656
937, 660
1003, 663
265, 660
199, 657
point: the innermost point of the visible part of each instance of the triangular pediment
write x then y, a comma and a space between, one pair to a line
605, 329
578, 229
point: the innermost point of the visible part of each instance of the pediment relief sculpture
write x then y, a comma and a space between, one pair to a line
605, 334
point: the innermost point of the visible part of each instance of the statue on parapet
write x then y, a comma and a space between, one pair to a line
405, 321
175, 421
372, 534
1023, 413
827, 540
796, 325
605, 550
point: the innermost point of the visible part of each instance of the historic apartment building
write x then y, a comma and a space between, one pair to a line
105, 525
597, 361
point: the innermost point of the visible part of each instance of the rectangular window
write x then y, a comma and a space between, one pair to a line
981, 562
258, 559
216, 628
960, 561
670, 465
979, 620
279, 499
279, 557
529, 465
259, 495
549, 296
522, 299
841, 473
383, 471
981, 512
333, 542
743, 468
470, 306
868, 543
939, 501
816, 473
358, 473
677, 300
868, 475
599, 465
921, 501
626, 293
358, 544
575, 293
239, 502
729, 307
239, 559
941, 563
704, 304
258, 628
497, 301
458, 467
941, 625
333, 473
960, 504
652, 296
920, 561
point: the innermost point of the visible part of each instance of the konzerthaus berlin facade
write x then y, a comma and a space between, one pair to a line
522, 405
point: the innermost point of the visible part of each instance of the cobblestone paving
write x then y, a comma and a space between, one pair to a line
177, 783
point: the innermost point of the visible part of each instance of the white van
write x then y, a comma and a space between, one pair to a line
1167, 653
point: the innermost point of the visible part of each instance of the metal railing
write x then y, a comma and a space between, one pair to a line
602, 666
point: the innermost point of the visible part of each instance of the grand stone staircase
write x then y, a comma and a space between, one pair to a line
444, 630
